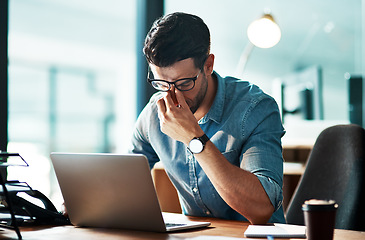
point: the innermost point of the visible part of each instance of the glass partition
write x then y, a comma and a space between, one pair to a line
71, 81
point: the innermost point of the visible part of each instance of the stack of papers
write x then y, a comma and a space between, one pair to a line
276, 230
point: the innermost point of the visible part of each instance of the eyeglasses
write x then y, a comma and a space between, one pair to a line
184, 84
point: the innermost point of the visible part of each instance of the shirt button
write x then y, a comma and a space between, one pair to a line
190, 157
207, 212
195, 189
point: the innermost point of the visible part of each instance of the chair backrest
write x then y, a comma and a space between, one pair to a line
335, 170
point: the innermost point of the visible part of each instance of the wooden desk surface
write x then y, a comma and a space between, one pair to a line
219, 227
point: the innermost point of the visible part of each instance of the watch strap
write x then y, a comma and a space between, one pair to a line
204, 139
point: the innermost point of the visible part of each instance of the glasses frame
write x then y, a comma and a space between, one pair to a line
151, 80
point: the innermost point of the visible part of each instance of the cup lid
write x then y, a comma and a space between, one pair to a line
317, 204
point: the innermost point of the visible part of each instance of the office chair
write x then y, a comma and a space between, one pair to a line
335, 170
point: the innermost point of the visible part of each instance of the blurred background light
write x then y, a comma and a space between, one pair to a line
264, 32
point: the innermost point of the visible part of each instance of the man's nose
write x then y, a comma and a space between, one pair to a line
172, 87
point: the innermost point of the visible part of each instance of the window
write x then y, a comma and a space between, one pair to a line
71, 82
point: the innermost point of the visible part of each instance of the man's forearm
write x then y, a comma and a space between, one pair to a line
240, 189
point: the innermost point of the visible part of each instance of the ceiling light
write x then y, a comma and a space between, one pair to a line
264, 32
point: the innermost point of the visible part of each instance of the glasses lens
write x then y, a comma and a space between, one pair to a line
160, 85
185, 84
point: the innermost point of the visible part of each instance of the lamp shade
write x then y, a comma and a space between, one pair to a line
264, 32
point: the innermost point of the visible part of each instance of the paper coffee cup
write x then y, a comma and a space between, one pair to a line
319, 217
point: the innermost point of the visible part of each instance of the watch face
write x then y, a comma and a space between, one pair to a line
196, 146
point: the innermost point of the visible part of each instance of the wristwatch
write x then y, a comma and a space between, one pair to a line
196, 145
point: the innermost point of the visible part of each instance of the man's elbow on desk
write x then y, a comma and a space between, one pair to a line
262, 216
257, 210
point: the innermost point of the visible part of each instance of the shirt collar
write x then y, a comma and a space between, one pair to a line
216, 110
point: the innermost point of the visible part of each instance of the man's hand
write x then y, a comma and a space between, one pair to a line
176, 119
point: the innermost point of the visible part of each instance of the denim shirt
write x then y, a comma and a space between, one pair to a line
244, 124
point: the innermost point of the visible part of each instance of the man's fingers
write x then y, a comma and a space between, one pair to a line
173, 97
180, 99
169, 100
161, 105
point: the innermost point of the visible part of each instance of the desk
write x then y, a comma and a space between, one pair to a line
218, 227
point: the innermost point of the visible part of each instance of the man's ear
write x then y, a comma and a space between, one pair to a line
209, 63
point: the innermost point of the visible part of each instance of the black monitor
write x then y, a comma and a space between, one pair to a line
300, 94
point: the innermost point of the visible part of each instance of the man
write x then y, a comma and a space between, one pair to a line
219, 138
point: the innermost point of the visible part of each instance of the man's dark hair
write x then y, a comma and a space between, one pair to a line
175, 37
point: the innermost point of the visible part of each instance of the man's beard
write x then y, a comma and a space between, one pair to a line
201, 95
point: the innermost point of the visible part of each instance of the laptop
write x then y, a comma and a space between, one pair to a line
112, 191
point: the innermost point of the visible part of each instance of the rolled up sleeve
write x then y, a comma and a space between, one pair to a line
262, 152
